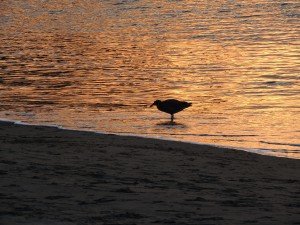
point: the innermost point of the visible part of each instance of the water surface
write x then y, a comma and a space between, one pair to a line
98, 65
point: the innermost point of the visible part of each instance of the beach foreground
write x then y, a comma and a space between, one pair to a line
54, 176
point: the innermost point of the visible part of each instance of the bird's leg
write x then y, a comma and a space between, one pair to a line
172, 118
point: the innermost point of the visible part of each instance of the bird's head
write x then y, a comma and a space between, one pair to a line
156, 102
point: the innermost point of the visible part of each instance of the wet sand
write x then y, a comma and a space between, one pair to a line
54, 176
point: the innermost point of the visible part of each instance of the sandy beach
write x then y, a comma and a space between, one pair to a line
55, 176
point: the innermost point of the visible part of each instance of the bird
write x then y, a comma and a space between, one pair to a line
171, 106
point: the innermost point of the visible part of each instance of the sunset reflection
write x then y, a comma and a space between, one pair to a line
103, 74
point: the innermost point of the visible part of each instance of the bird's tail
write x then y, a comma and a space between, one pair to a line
188, 104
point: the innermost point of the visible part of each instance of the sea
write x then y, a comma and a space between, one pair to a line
98, 65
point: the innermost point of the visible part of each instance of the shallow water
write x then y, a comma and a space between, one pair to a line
98, 65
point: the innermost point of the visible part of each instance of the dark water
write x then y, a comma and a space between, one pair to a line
98, 65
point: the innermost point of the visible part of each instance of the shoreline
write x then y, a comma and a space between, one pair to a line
251, 150
57, 176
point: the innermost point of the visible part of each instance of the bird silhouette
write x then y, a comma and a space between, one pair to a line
171, 106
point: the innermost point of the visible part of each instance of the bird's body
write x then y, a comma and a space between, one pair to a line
171, 106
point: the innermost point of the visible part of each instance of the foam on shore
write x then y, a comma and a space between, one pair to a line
267, 152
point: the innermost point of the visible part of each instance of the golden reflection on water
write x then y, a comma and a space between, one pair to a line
99, 65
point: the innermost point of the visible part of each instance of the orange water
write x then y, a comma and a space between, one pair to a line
98, 65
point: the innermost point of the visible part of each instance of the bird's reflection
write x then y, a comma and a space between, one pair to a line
171, 124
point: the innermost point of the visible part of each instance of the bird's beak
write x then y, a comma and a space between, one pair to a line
152, 105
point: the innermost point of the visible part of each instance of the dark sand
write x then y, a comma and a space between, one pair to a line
53, 176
